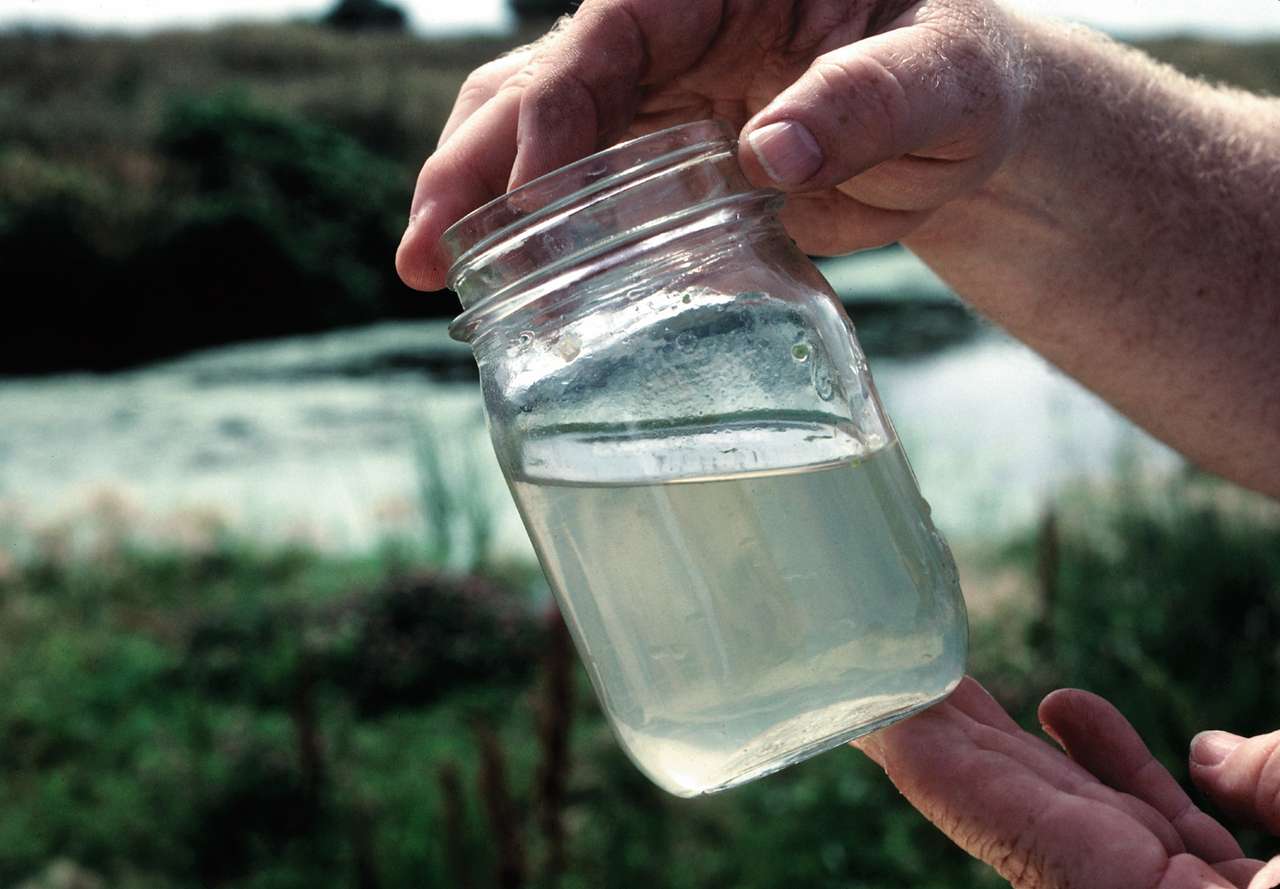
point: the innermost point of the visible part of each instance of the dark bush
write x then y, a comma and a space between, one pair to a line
251, 818
406, 644
540, 12
423, 637
365, 15
63, 267
290, 223
1170, 607
264, 225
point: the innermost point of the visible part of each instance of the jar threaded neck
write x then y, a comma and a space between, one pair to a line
592, 214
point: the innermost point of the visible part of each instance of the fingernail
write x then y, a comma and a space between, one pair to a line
1212, 748
787, 151
1048, 730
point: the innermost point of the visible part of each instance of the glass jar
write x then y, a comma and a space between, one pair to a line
691, 434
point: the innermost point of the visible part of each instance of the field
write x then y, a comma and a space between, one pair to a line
227, 716
188, 189
210, 711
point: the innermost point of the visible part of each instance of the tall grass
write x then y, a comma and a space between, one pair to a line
125, 249
240, 717
458, 510
1167, 601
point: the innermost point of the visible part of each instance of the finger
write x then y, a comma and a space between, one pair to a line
586, 87
920, 183
911, 89
481, 86
1007, 815
1240, 871
972, 699
1189, 872
1096, 735
870, 745
468, 171
1140, 811
1268, 877
991, 728
828, 223
975, 701
1242, 775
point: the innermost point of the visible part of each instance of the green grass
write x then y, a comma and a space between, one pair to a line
162, 710
186, 189
1250, 66
96, 101
250, 718
239, 717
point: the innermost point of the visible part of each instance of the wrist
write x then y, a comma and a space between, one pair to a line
1046, 157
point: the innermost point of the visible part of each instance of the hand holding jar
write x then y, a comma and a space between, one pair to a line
927, 94
1071, 189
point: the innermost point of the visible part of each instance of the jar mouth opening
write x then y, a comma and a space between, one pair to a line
548, 288
491, 222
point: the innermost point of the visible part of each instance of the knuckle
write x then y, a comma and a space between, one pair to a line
489, 79
987, 74
1150, 771
473, 91
870, 99
969, 49
974, 71
488, 72
518, 82
976, 49
592, 68
1187, 812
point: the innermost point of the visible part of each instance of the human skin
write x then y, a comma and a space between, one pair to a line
1116, 216
1102, 815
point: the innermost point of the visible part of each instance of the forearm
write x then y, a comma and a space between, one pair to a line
1133, 238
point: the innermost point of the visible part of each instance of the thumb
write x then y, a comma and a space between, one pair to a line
947, 91
1241, 775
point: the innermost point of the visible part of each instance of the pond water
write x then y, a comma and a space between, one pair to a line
314, 438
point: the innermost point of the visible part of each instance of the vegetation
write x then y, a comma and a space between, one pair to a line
226, 716
220, 715
187, 189
542, 12
365, 15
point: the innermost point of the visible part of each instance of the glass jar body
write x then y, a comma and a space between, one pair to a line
720, 506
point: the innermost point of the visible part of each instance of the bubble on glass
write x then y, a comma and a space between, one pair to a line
569, 347
800, 352
525, 338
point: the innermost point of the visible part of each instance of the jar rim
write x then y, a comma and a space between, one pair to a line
487, 223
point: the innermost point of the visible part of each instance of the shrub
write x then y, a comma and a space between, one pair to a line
1168, 604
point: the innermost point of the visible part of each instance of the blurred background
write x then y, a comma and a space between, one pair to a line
267, 616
